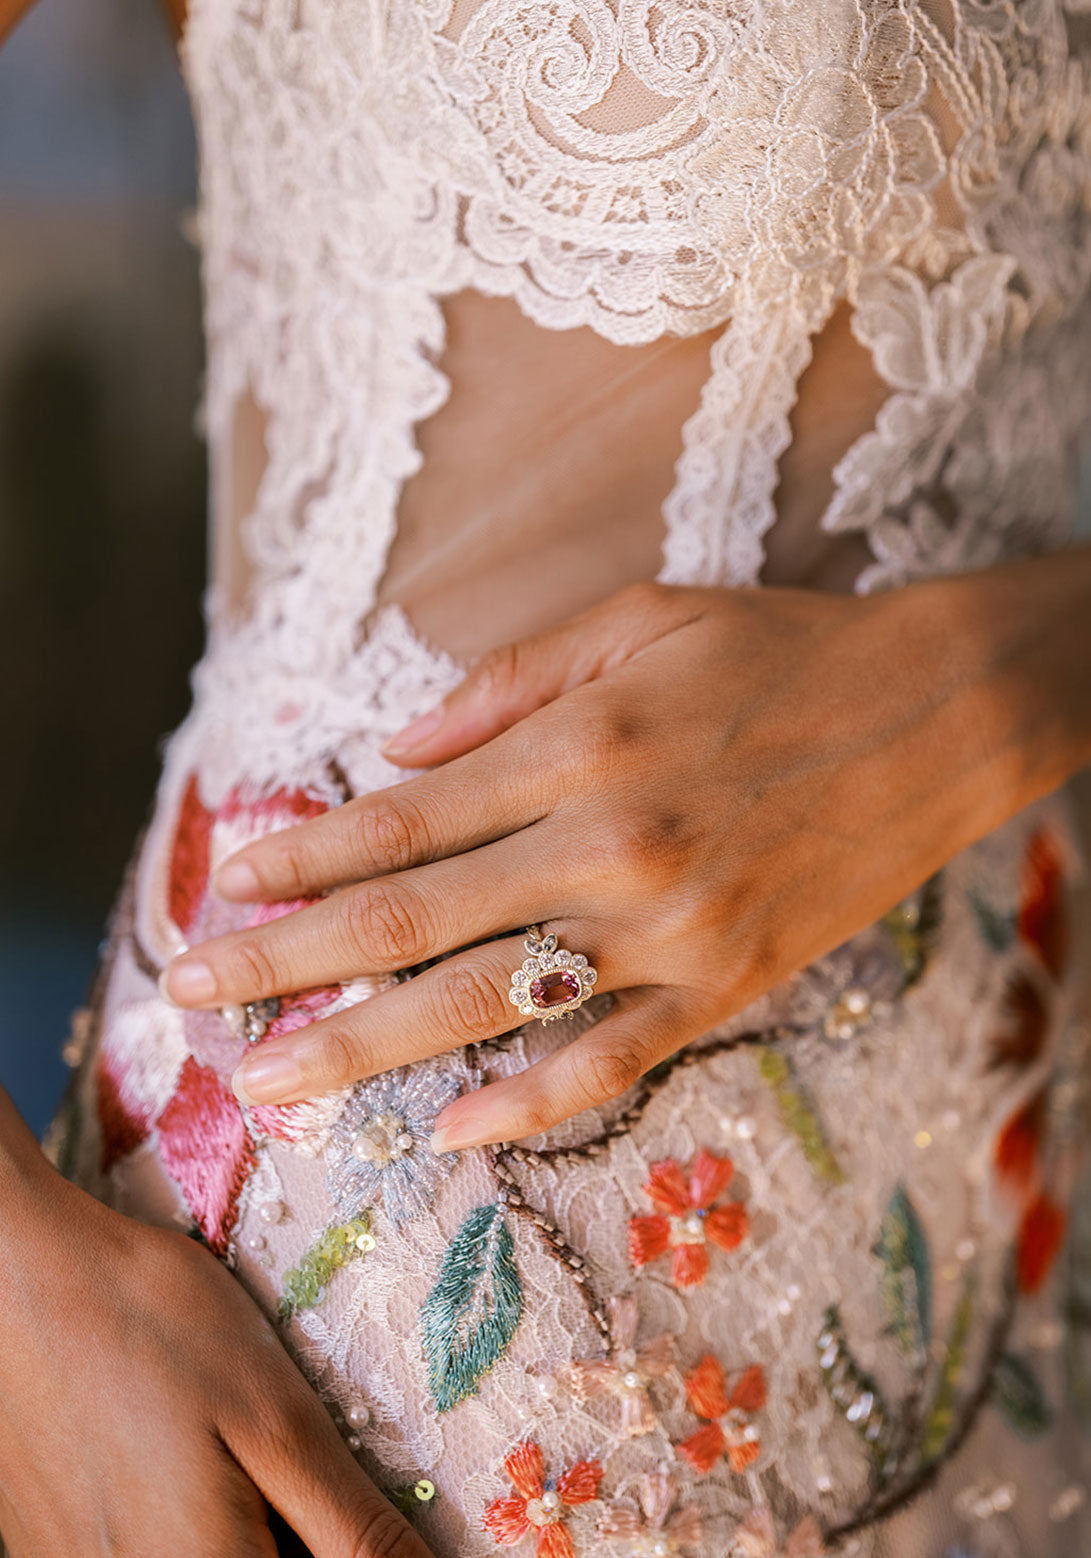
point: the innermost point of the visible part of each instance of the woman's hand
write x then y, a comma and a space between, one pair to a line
146, 1406
701, 789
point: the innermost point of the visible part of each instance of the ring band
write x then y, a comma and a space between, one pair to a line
550, 983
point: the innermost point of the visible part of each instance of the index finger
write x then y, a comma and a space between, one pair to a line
475, 799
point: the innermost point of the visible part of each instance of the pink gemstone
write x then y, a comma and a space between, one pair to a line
552, 989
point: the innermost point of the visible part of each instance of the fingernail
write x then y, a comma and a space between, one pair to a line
416, 732
163, 991
235, 879
190, 982
264, 1079
462, 1134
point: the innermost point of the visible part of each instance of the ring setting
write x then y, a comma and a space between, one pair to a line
552, 982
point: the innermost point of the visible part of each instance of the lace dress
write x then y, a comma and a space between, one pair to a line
822, 1281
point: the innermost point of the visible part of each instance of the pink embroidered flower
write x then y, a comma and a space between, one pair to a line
757, 1537
539, 1505
205, 1139
685, 1220
624, 1375
657, 1532
728, 1429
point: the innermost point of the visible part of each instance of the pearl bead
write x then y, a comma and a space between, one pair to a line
794, 1292
965, 1249
364, 1148
856, 1001
272, 1211
750, 1433
403, 1142
661, 1549
631, 1381
547, 1386
551, 1501
1003, 1497
745, 1128
354, 1441
694, 1224
358, 1415
234, 1016
255, 1241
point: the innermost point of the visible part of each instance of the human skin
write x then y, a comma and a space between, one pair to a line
701, 789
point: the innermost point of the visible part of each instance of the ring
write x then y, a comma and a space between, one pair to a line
550, 984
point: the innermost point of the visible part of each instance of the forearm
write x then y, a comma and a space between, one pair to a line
24, 1169
1009, 649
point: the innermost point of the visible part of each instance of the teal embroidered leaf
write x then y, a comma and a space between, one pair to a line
997, 928
940, 1419
1019, 1396
472, 1312
906, 1283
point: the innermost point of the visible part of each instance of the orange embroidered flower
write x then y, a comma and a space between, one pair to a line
685, 1220
1041, 1234
539, 1505
1042, 1222
1043, 916
728, 1429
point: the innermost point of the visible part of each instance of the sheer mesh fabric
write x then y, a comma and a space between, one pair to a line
777, 199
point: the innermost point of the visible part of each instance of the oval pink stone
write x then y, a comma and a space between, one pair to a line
553, 989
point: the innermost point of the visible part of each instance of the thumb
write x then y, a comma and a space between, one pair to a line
510, 682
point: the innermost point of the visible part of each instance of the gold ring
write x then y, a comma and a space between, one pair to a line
550, 983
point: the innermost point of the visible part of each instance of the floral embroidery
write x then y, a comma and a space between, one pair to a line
756, 1537
379, 1148
1024, 1025
905, 1287
654, 1532
305, 1284
625, 1375
800, 1116
539, 1505
728, 1429
686, 1221
1043, 921
473, 1310
1042, 1223
205, 1147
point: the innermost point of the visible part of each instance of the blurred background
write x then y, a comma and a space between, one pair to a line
101, 489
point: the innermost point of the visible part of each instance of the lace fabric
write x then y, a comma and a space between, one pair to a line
900, 1158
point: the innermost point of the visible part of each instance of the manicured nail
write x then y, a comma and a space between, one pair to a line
265, 1079
193, 982
235, 879
413, 734
461, 1134
163, 991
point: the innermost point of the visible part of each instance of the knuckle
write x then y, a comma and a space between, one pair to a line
256, 968
385, 1535
387, 833
497, 672
385, 924
337, 1055
608, 1069
645, 597
470, 1002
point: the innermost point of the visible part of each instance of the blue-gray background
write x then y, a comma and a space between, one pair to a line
101, 489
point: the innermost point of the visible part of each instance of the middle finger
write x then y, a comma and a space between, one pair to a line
378, 927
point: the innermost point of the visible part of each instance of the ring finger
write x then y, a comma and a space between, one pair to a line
461, 1000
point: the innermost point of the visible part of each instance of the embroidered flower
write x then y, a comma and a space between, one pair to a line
1042, 1223
624, 1375
378, 1147
539, 1505
728, 1429
685, 1221
654, 1533
756, 1537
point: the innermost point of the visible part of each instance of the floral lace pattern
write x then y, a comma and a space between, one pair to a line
793, 1292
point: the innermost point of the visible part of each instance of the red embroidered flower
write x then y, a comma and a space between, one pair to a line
1042, 1223
728, 1429
1041, 1234
540, 1505
685, 1221
1043, 917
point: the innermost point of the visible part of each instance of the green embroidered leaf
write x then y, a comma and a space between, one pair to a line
856, 1395
471, 1314
940, 1419
912, 926
1019, 1396
906, 1283
997, 928
800, 1116
305, 1284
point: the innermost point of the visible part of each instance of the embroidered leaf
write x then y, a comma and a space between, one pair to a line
912, 926
305, 1284
471, 1314
906, 1283
940, 1419
997, 927
799, 1115
1019, 1396
856, 1395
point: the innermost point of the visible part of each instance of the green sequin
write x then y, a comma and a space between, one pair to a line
305, 1284
799, 1115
